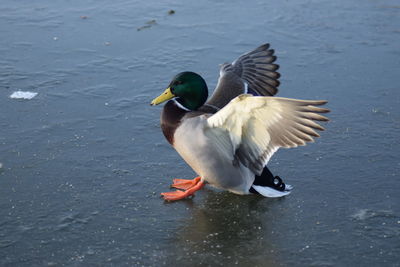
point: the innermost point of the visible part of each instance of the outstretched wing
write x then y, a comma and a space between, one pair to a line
253, 72
259, 126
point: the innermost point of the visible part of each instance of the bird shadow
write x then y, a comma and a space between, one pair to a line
224, 227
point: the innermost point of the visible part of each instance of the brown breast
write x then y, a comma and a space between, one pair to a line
171, 119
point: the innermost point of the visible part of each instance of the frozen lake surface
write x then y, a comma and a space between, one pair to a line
83, 162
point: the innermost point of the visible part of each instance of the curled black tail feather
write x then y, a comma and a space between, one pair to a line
268, 179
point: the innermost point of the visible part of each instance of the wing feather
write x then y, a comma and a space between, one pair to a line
259, 125
253, 72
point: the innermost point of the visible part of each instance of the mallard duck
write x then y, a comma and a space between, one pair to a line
229, 138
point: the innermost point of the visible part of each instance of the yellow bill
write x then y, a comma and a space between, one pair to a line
167, 95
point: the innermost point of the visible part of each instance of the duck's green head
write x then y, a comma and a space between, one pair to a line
189, 88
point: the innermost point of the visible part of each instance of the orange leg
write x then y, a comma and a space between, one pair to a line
185, 184
196, 184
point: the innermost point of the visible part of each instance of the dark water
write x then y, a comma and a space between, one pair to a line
84, 161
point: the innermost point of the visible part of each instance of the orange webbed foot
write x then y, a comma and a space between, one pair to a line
175, 195
185, 184
190, 186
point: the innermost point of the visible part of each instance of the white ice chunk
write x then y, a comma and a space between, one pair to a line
23, 95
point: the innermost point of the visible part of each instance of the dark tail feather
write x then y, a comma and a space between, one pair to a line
268, 179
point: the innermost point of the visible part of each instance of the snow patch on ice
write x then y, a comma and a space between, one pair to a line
23, 95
